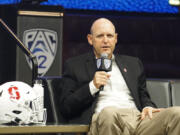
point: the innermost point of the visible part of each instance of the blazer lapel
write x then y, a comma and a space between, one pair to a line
91, 65
123, 66
91, 68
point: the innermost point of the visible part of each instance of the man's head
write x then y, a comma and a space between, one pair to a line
103, 37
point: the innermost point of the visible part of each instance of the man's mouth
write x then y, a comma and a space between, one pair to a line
105, 47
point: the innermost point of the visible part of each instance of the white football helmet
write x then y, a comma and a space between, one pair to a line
19, 104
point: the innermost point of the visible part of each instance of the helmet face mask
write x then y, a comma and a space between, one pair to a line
20, 105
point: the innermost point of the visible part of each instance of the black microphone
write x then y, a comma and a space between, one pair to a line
103, 64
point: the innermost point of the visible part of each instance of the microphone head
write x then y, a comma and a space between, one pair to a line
104, 63
104, 55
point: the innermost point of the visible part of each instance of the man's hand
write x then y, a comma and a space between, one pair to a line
148, 111
100, 78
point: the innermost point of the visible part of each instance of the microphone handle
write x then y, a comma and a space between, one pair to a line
101, 87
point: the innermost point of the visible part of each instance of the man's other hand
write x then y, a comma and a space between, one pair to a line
148, 111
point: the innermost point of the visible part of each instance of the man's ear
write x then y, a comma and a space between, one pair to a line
89, 38
116, 37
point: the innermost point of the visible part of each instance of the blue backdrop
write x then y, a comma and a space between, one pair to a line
150, 6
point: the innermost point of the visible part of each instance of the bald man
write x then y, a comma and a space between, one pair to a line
123, 107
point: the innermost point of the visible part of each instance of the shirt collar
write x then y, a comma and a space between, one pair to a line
113, 57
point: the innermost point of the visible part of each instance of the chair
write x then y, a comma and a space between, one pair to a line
159, 91
52, 94
52, 87
175, 92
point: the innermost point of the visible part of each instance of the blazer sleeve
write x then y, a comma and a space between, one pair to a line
143, 93
76, 95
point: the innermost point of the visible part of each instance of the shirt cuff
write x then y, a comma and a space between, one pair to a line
93, 89
147, 107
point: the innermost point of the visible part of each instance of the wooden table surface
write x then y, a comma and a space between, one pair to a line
44, 129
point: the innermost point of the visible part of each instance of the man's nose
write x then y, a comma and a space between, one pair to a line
105, 39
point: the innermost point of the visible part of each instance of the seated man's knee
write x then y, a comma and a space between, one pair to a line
174, 112
108, 116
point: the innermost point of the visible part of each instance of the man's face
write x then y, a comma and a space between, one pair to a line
103, 38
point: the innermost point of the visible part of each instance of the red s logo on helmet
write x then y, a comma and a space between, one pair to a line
13, 91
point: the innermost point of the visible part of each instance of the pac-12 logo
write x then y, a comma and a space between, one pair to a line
43, 44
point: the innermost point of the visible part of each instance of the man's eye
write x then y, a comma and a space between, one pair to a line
110, 36
99, 36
